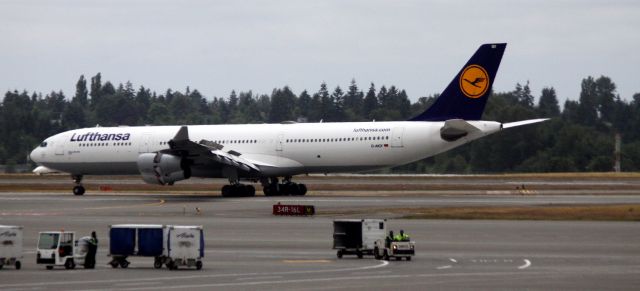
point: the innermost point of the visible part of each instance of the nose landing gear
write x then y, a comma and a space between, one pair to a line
78, 189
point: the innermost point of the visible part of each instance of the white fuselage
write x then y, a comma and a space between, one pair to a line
279, 149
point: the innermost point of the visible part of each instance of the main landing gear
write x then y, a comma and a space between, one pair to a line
78, 189
271, 187
238, 190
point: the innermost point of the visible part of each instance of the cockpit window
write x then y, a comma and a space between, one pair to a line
43, 144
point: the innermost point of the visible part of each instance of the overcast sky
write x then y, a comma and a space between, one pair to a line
219, 46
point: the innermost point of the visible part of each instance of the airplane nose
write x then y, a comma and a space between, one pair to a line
34, 155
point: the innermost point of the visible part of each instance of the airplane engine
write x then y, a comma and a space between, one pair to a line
163, 169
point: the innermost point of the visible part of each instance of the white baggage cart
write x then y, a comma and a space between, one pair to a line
184, 247
10, 246
357, 236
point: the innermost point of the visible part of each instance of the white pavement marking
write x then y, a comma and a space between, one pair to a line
325, 279
258, 278
453, 260
171, 278
527, 263
444, 267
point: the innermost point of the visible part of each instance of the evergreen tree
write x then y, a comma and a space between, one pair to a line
548, 104
370, 103
96, 87
81, 92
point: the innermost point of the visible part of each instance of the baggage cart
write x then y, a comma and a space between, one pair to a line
357, 236
137, 240
10, 246
184, 246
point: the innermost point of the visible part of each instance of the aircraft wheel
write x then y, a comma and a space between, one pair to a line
339, 254
18, 265
302, 189
359, 254
124, 264
199, 265
49, 267
227, 191
245, 191
78, 190
113, 264
408, 258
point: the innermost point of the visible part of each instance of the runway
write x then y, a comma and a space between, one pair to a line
248, 248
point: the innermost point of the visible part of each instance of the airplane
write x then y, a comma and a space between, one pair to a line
266, 152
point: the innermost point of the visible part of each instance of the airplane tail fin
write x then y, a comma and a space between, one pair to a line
467, 94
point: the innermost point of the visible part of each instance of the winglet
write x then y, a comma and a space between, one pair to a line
183, 134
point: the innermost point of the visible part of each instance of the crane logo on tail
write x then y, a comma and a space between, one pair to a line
474, 81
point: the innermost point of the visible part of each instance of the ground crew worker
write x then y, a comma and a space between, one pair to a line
389, 238
90, 259
403, 236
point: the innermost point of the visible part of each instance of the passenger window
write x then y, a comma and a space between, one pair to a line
43, 144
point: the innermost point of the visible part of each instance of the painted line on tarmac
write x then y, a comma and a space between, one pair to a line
444, 267
66, 284
258, 278
58, 212
315, 280
305, 261
527, 264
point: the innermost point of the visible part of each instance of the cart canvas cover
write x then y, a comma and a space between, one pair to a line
10, 241
185, 242
136, 239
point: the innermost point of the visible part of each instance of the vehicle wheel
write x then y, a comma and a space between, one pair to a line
339, 254
18, 265
408, 258
49, 267
78, 190
359, 254
157, 263
2, 266
124, 264
113, 264
385, 256
199, 265
398, 258
69, 264
376, 254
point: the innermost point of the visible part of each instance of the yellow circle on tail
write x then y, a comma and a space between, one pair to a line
474, 81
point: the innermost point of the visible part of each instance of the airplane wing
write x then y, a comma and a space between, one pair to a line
181, 145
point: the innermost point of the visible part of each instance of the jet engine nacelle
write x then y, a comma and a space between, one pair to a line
159, 168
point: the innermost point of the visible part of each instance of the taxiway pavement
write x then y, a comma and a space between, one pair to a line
247, 248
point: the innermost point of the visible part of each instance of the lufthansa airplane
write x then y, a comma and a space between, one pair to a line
266, 152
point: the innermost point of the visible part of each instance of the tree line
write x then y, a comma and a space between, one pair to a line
579, 137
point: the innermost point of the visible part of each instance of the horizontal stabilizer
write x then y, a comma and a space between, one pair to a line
523, 122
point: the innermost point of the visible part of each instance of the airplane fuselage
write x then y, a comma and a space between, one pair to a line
281, 149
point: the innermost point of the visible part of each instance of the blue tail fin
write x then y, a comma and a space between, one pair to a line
467, 94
